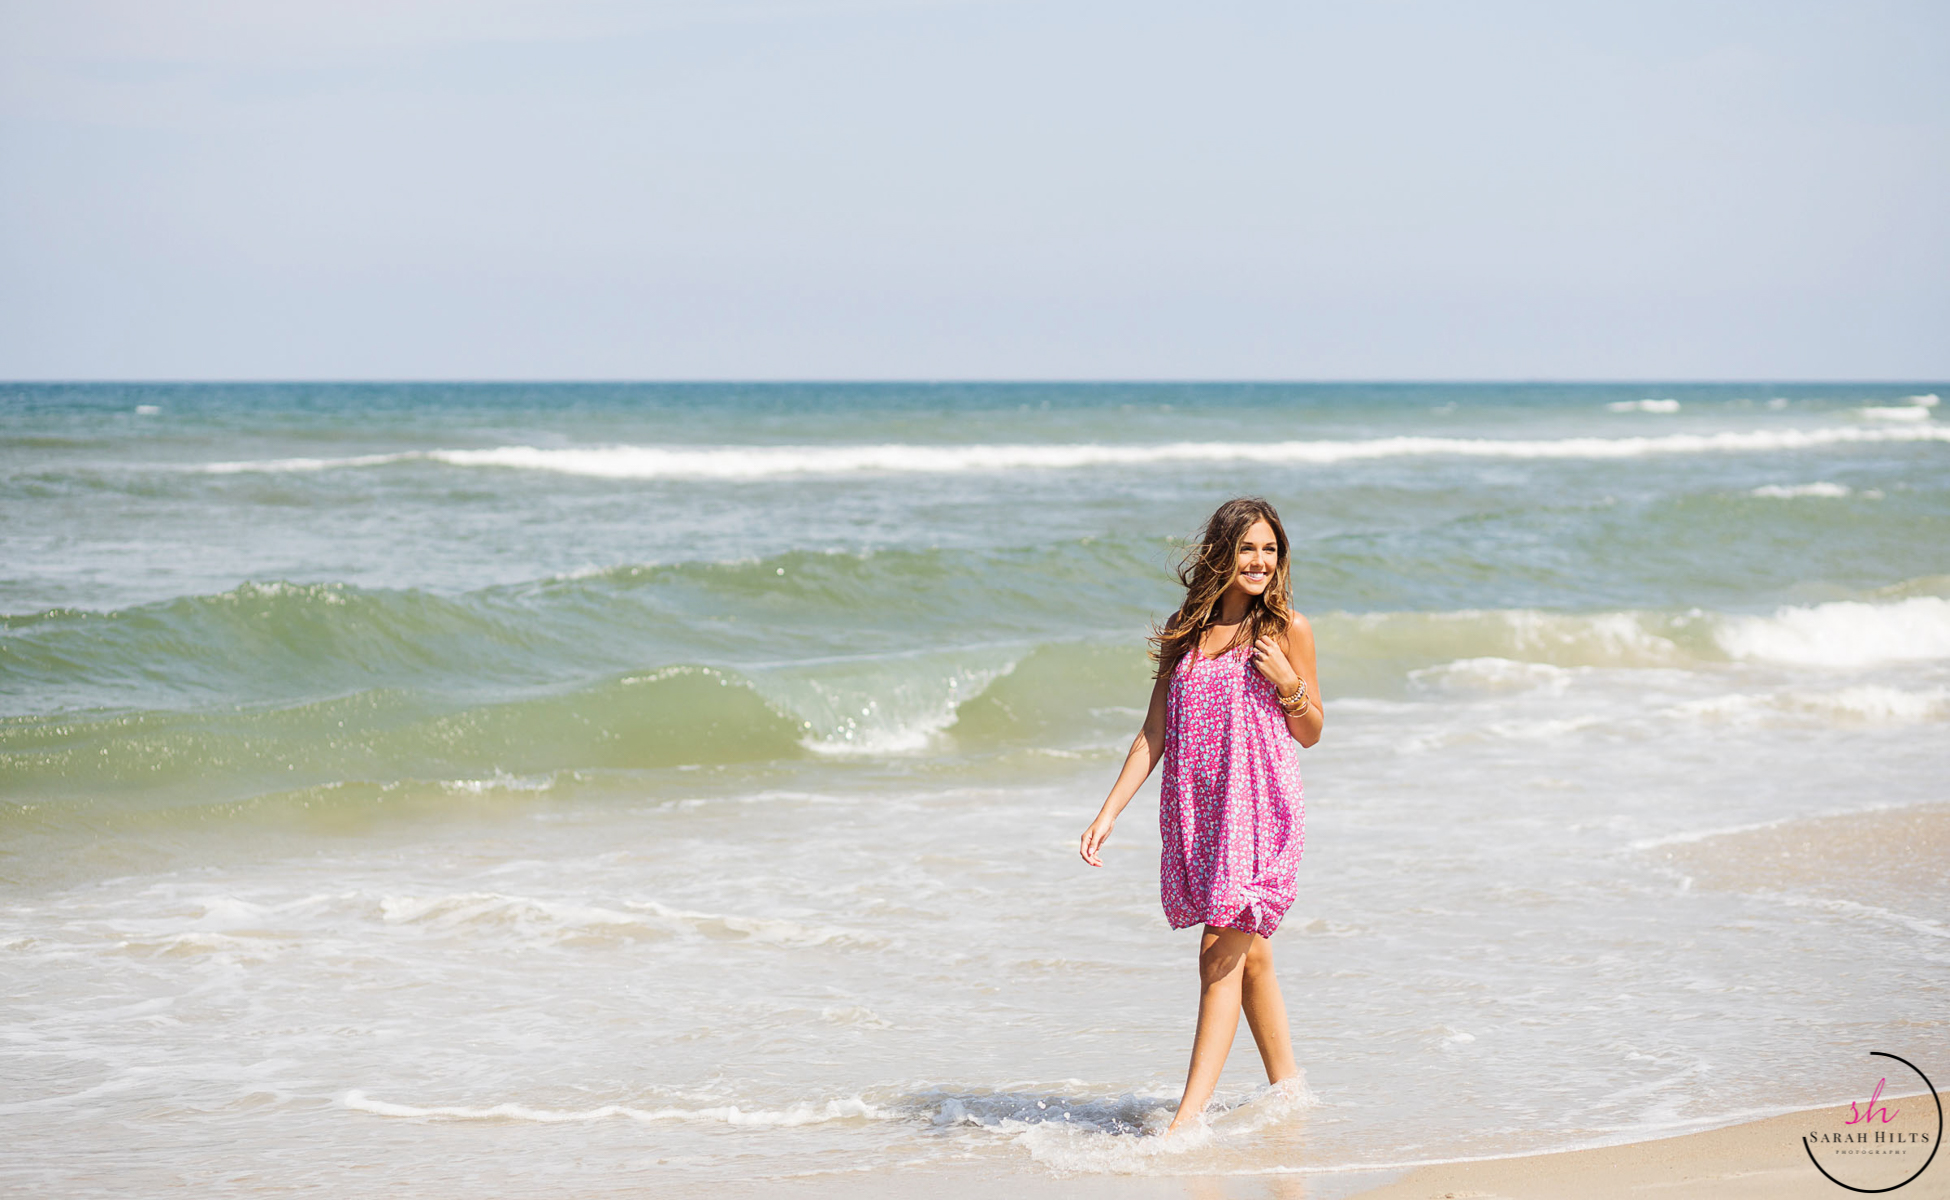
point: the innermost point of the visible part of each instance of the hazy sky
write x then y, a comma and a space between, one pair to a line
502, 189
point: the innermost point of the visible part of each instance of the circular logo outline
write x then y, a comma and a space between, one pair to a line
1938, 1145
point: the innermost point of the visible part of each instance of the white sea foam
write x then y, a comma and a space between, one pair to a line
1648, 406
774, 930
291, 465
850, 1108
907, 719
856, 1015
1852, 908
1904, 412
762, 462
1493, 675
1931, 400
1017, 1108
1546, 729
1691, 836
898, 738
553, 919
1842, 634
500, 781
1864, 704
1831, 491
1532, 648
1874, 703
1074, 1141
1613, 638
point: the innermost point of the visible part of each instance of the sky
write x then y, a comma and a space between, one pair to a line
1231, 189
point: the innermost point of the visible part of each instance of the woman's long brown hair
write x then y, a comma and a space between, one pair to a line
1209, 568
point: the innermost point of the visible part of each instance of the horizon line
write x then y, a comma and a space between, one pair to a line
981, 381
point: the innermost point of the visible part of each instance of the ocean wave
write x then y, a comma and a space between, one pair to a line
276, 642
1852, 908
1822, 490
1470, 646
351, 758
1125, 1115
452, 742
872, 711
1907, 412
735, 463
301, 465
1098, 1137
558, 919
673, 716
1863, 704
1491, 674
850, 1108
1513, 648
1844, 633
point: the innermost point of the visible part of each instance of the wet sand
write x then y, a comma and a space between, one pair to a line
1757, 1160
1754, 1160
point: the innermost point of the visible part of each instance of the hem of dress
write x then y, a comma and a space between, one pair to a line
1234, 922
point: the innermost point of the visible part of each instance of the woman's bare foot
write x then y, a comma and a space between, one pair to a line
1183, 1122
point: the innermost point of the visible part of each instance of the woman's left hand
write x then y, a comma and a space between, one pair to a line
1271, 661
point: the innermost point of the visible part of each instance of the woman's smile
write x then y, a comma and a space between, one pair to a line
1258, 556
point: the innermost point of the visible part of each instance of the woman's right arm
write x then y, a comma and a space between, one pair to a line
1146, 749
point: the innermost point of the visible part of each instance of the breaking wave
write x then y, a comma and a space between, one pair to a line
762, 462
395, 699
1843, 634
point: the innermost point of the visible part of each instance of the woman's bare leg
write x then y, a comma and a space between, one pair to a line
1221, 967
1266, 1012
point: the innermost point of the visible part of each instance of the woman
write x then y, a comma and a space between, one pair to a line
1235, 689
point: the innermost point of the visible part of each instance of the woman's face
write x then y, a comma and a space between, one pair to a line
1259, 554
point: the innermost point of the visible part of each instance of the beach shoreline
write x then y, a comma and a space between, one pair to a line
606, 825
1758, 1158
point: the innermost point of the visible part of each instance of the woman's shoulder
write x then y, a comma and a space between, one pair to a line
1299, 630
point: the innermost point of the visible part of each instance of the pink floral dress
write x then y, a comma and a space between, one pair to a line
1230, 814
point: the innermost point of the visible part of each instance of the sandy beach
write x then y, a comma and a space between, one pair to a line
1753, 1160
1750, 1161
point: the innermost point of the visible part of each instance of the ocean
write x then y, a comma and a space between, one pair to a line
563, 790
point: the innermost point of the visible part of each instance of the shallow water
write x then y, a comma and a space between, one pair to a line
550, 790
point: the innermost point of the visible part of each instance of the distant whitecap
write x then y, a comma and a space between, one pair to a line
1775, 491
767, 462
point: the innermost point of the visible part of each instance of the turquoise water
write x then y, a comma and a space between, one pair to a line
630, 760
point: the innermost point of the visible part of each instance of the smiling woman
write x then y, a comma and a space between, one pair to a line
1231, 820
688, 830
